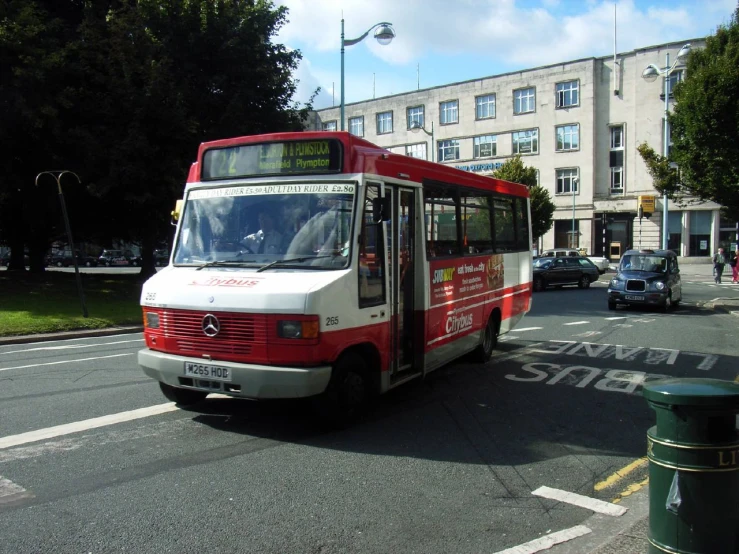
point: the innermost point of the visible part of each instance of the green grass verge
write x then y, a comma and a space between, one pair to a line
50, 302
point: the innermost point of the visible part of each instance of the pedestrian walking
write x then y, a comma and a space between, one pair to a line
719, 260
735, 267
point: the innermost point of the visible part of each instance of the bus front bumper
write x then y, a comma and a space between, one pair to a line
240, 380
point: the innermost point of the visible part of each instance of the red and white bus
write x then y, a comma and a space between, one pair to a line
317, 264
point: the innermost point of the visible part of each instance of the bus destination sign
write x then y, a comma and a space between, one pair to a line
294, 157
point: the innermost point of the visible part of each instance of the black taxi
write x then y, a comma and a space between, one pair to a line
646, 278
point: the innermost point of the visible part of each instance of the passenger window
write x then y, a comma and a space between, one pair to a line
477, 236
442, 237
371, 255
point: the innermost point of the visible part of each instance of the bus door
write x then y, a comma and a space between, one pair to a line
400, 236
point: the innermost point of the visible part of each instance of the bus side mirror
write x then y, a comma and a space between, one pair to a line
175, 214
381, 209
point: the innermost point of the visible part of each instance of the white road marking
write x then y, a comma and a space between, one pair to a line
625, 325
67, 361
525, 329
71, 346
586, 502
547, 542
588, 334
11, 493
76, 427
615, 318
577, 323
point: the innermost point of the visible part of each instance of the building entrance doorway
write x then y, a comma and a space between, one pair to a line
613, 229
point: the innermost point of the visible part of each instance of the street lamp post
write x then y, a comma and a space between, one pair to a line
57, 175
575, 182
415, 127
384, 35
650, 74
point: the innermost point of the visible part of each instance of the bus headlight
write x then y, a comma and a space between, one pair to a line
289, 329
151, 320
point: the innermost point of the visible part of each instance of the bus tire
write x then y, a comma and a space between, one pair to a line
182, 397
348, 393
489, 341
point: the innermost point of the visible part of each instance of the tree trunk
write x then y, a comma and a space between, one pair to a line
148, 263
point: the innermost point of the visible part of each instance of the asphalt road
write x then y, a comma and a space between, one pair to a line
446, 465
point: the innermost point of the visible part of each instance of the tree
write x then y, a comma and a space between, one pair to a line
122, 92
703, 164
175, 74
542, 207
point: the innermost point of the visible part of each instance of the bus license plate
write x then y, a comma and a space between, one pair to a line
632, 297
205, 371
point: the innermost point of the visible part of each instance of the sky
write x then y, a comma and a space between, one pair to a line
446, 41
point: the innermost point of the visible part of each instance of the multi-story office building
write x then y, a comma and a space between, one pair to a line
578, 123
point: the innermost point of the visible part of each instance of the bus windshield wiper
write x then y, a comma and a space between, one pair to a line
293, 260
226, 263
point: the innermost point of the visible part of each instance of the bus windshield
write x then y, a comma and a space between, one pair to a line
297, 225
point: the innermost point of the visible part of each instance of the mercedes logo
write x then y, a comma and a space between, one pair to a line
210, 325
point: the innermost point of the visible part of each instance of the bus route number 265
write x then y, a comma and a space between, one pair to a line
332, 320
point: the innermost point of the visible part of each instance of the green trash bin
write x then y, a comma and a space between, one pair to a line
693, 454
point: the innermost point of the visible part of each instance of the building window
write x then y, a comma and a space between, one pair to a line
669, 136
672, 79
415, 117
448, 150
617, 137
564, 237
568, 138
617, 180
449, 112
384, 123
616, 159
416, 150
485, 106
526, 142
567, 181
700, 233
485, 146
524, 100
329, 125
356, 126
568, 94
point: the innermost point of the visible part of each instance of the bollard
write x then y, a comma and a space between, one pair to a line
693, 454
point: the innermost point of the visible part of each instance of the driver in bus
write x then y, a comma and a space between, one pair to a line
267, 240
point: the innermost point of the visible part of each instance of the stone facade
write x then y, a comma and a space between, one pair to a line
600, 108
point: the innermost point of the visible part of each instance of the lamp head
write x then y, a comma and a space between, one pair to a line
650, 73
683, 53
416, 126
384, 34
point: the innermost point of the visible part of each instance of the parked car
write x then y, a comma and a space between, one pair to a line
5, 260
66, 260
600, 262
646, 278
113, 258
564, 271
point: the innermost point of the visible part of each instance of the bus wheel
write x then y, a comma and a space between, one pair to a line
348, 392
182, 397
489, 341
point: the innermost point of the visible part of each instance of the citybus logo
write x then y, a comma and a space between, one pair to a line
454, 324
443, 275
